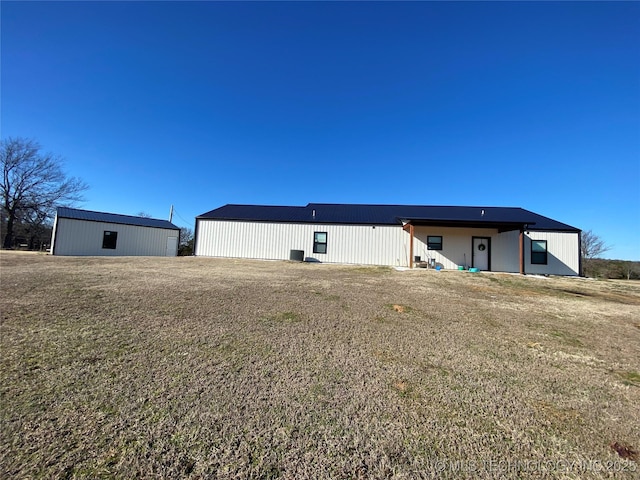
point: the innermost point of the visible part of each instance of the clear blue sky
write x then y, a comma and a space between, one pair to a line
200, 104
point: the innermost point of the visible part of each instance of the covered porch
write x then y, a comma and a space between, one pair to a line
452, 245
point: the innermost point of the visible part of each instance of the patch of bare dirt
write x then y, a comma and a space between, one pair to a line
625, 451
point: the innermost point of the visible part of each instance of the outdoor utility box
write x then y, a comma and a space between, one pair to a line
296, 255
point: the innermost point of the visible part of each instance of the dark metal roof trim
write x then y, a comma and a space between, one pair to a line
502, 226
103, 217
350, 214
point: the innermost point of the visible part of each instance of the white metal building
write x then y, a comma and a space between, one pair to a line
83, 232
488, 238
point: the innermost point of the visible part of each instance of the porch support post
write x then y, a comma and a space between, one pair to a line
522, 272
411, 245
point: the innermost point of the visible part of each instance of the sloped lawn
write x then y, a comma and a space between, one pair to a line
210, 368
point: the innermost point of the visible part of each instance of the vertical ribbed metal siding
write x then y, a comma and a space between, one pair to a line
79, 237
505, 252
562, 247
53, 234
382, 245
563, 253
456, 245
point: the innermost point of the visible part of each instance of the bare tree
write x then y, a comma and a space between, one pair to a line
143, 214
33, 184
591, 246
186, 234
186, 241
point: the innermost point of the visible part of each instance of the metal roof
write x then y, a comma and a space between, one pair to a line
505, 218
76, 214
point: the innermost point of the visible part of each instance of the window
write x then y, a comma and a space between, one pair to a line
538, 252
320, 242
434, 243
109, 240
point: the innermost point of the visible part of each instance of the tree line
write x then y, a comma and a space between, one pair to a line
612, 269
592, 247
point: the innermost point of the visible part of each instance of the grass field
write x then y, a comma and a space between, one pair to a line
209, 368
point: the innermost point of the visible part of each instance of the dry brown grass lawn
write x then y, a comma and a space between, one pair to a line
195, 367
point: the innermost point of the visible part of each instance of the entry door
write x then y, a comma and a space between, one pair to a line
481, 252
172, 246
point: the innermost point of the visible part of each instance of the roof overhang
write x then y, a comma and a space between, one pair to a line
500, 226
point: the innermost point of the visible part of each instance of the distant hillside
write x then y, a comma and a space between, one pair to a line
620, 269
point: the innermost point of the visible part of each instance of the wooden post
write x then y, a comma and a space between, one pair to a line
408, 227
411, 246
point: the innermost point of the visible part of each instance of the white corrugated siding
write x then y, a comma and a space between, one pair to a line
382, 245
53, 233
563, 253
356, 244
505, 252
456, 244
80, 237
563, 249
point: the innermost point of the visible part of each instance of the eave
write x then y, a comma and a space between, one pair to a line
500, 226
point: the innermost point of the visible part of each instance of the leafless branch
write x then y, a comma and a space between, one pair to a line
33, 183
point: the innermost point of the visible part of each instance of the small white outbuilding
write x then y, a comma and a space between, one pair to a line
83, 232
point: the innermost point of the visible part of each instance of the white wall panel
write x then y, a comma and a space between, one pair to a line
456, 244
356, 244
505, 250
382, 245
80, 237
563, 253
563, 249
